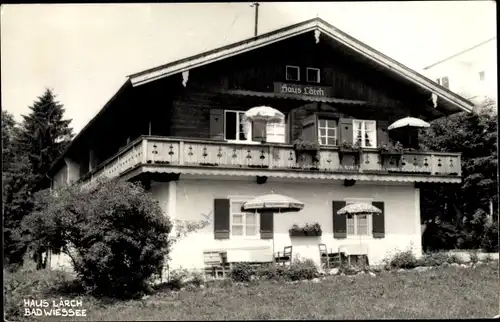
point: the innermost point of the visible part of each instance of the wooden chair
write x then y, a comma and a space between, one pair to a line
286, 258
329, 259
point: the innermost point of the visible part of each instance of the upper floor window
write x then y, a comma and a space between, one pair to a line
243, 224
481, 76
235, 129
275, 132
292, 73
365, 133
313, 75
443, 81
327, 132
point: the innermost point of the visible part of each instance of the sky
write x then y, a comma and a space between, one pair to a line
84, 52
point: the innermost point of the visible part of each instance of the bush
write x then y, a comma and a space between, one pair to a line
474, 258
489, 240
177, 278
300, 270
435, 259
270, 272
242, 272
405, 259
30, 284
115, 234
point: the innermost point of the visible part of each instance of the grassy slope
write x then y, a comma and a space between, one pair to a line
441, 293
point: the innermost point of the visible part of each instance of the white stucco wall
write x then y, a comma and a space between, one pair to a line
188, 199
195, 197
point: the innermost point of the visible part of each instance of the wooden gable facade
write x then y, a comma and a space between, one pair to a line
320, 85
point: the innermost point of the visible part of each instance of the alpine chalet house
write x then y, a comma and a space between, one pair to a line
179, 129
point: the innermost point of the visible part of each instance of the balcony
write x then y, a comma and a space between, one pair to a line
175, 155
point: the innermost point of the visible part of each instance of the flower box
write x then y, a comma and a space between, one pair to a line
350, 149
306, 231
302, 147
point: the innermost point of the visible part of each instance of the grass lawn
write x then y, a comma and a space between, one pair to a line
446, 292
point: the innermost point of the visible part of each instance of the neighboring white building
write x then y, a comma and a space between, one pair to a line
471, 73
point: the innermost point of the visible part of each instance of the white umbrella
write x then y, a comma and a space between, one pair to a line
273, 202
265, 114
408, 122
359, 209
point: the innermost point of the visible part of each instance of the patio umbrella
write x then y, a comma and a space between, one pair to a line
273, 202
408, 122
359, 209
264, 114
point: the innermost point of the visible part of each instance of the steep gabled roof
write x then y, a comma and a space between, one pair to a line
459, 103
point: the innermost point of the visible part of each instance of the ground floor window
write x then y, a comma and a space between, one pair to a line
359, 225
243, 224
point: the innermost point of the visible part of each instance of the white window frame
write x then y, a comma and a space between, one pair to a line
298, 73
355, 134
369, 219
233, 199
326, 128
318, 74
249, 136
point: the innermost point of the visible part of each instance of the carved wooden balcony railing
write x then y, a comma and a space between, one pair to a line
149, 150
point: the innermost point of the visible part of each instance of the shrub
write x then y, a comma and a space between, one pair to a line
271, 272
489, 240
435, 259
242, 272
177, 278
115, 234
300, 270
474, 258
454, 259
30, 284
405, 259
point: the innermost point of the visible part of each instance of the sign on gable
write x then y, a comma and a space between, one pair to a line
301, 89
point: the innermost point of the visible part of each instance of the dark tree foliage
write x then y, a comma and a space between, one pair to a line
462, 210
28, 151
17, 199
44, 134
115, 234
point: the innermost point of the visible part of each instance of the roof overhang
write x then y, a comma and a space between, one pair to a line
454, 103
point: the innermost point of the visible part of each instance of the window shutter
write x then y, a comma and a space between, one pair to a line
221, 219
266, 225
258, 131
382, 134
339, 221
310, 128
217, 124
378, 221
346, 129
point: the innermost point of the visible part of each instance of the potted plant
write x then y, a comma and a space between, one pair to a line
307, 230
391, 150
353, 149
313, 230
302, 146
